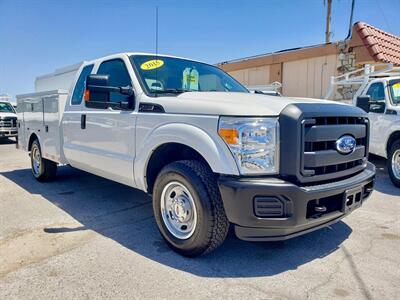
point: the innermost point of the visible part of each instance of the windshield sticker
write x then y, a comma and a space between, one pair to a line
152, 64
396, 90
190, 79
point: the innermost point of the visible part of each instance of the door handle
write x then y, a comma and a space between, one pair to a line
83, 121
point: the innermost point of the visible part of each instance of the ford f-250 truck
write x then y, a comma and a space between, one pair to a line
209, 152
8, 120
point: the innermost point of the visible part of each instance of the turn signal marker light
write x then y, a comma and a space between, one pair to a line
86, 95
230, 135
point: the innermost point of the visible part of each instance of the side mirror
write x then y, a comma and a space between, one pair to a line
363, 102
97, 89
97, 93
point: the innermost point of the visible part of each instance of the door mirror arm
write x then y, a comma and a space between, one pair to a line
127, 90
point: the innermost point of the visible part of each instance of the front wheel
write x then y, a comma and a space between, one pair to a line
42, 169
393, 163
188, 208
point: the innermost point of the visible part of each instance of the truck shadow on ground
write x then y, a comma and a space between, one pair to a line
383, 183
7, 141
125, 215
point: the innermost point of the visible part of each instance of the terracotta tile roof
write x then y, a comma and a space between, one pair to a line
383, 46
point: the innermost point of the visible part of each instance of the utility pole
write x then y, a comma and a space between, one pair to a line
328, 22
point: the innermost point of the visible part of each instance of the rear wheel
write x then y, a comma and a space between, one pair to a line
393, 163
42, 169
188, 208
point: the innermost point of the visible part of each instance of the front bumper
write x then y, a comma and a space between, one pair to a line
8, 132
300, 209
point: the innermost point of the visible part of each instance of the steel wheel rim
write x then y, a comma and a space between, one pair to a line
396, 164
178, 210
36, 160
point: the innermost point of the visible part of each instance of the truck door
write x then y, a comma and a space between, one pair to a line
102, 141
377, 117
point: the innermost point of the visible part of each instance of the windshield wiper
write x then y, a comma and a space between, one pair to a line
171, 91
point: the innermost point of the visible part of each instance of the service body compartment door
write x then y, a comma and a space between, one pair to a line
39, 114
51, 130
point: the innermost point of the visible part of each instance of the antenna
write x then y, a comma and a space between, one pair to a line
156, 43
156, 31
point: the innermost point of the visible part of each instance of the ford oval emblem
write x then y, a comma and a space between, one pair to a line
346, 144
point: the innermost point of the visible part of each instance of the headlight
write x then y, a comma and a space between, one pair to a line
253, 142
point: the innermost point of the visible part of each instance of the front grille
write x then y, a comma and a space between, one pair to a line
8, 122
320, 158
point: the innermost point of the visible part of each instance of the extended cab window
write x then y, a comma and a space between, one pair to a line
80, 85
118, 77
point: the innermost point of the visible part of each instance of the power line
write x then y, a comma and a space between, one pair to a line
384, 16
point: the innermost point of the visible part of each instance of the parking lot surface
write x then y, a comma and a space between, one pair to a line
82, 236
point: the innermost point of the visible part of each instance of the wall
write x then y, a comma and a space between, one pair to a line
252, 76
308, 77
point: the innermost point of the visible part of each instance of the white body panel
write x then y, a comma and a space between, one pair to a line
60, 79
196, 131
106, 147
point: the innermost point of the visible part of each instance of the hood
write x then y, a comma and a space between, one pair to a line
229, 104
7, 114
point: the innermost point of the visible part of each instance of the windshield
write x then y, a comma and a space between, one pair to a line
6, 107
395, 91
165, 75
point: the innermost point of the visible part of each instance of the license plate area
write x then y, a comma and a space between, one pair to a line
352, 199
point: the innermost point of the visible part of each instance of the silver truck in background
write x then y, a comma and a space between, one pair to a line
8, 120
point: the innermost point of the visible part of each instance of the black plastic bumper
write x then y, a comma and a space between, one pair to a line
300, 208
8, 133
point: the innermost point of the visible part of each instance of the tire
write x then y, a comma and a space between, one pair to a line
195, 183
42, 169
393, 163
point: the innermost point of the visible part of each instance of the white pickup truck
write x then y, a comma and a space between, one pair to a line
209, 152
8, 120
378, 93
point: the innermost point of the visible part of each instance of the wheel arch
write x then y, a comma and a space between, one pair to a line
394, 136
32, 138
191, 141
166, 154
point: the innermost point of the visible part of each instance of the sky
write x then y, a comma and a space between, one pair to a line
37, 37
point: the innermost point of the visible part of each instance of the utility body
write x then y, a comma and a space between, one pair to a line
209, 152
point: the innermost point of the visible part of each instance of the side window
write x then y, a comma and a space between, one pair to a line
377, 93
80, 85
118, 77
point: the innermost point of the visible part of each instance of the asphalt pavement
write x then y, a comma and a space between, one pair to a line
83, 236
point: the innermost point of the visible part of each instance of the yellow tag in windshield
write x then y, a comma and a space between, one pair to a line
396, 89
152, 64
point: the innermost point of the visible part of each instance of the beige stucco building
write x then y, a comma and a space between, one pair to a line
306, 71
